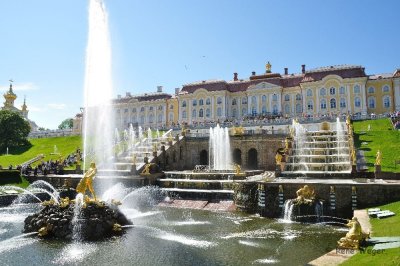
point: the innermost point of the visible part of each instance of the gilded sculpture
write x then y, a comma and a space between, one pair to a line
305, 194
354, 237
278, 158
378, 159
86, 182
268, 67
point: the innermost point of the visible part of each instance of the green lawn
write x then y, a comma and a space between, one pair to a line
381, 136
65, 146
23, 184
382, 227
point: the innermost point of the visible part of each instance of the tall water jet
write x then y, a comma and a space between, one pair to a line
98, 123
220, 149
340, 139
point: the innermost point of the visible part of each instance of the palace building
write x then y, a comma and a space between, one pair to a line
324, 91
10, 98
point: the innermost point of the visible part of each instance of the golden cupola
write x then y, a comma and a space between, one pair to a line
10, 97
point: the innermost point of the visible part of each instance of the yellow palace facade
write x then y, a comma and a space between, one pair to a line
332, 90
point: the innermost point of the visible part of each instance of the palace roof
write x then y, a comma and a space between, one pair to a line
143, 97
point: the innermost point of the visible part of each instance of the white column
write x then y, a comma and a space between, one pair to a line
349, 102
396, 88
363, 100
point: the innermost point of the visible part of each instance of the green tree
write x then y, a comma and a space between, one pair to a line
67, 123
14, 130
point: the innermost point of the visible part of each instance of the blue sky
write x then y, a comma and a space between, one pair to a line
174, 42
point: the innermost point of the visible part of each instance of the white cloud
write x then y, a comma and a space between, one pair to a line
57, 106
27, 86
32, 108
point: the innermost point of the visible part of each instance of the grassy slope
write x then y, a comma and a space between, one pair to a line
382, 227
379, 137
65, 146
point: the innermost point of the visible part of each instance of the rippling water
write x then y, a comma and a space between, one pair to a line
166, 236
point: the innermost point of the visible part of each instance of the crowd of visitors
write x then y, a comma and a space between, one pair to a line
395, 117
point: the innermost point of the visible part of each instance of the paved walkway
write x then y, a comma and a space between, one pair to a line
336, 257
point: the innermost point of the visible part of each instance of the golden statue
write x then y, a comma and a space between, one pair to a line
286, 144
268, 67
170, 138
78, 158
354, 237
305, 194
278, 158
146, 170
238, 169
378, 160
348, 122
332, 189
87, 181
64, 202
238, 131
353, 157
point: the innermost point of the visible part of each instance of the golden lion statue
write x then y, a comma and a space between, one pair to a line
86, 182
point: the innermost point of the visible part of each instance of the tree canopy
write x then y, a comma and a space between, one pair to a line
67, 123
14, 130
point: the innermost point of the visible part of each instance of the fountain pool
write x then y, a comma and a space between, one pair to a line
169, 236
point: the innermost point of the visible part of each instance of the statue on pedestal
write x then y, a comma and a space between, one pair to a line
305, 195
354, 237
86, 182
378, 159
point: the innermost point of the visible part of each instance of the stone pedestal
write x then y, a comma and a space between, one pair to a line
354, 169
154, 154
78, 168
133, 170
278, 170
378, 168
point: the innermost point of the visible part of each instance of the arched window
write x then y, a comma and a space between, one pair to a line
208, 112
151, 108
142, 109
323, 104
184, 114
254, 110
332, 91
298, 97
142, 119
264, 98
275, 109
151, 118
160, 118
322, 92
264, 109
342, 90
371, 102
386, 101
219, 112
133, 110
371, 90
219, 100
385, 88
201, 102
194, 113
356, 88
234, 101
171, 117
194, 103
287, 108
201, 113
309, 92
342, 102
299, 108
160, 107
357, 102
253, 99
333, 103
310, 105
287, 97
134, 119
184, 104
208, 101
171, 106
274, 97
244, 111
234, 113
244, 100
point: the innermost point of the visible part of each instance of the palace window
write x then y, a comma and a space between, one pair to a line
332, 91
244, 100
151, 118
194, 113
253, 99
385, 88
322, 92
371, 102
386, 101
160, 107
201, 102
309, 92
371, 90
234, 101
151, 108
310, 105
342, 102
142, 109
244, 111
134, 118
264, 109
194, 103
234, 112
208, 101
208, 113
323, 104
287, 97
264, 98
133, 110
184, 114
219, 112
171, 106
298, 97
357, 102
160, 118
254, 110
219, 100
184, 104
126, 110
275, 109
274, 97
201, 113
299, 108
356, 88
287, 108
333, 103
342, 90
142, 119
171, 117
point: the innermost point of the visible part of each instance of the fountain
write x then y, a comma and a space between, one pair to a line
220, 149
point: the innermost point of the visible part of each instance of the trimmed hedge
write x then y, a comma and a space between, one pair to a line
10, 177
